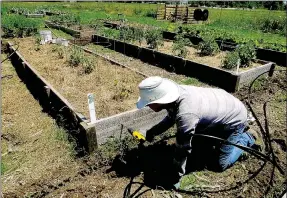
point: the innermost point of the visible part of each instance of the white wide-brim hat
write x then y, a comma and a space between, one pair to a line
157, 90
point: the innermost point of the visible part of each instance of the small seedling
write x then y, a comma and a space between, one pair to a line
88, 66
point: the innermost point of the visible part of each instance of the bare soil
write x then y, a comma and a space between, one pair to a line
115, 88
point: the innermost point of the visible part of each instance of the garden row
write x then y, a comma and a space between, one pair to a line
232, 80
224, 41
62, 84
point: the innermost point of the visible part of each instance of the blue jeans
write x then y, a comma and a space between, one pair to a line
229, 154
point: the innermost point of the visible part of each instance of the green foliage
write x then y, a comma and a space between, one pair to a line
88, 66
66, 19
179, 46
19, 26
208, 47
231, 60
76, 57
124, 90
60, 50
246, 53
106, 153
3, 168
190, 81
154, 38
274, 25
126, 34
139, 34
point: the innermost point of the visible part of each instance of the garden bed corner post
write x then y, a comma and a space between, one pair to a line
91, 135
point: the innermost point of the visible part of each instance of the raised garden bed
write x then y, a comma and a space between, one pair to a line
227, 80
107, 82
74, 33
263, 54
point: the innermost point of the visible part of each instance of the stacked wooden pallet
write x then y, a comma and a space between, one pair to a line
189, 17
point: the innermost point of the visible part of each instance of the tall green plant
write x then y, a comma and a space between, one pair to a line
19, 26
179, 46
246, 53
154, 38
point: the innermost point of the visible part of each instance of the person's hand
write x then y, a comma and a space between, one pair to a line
149, 136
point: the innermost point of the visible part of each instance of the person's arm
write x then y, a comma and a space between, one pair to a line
186, 124
161, 127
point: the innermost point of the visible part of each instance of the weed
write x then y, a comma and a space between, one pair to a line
37, 47
63, 136
88, 66
3, 168
179, 46
76, 57
246, 53
154, 38
231, 60
274, 25
208, 46
190, 81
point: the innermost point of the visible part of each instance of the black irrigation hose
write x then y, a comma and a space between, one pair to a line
245, 148
253, 152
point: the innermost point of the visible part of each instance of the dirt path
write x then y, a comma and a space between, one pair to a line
37, 159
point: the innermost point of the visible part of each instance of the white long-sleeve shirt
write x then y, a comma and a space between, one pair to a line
199, 108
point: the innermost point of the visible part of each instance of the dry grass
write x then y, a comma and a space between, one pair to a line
140, 66
33, 147
115, 88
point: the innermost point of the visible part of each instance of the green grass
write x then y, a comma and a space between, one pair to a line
3, 168
242, 25
191, 81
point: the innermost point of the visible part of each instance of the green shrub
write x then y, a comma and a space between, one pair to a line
179, 46
208, 47
76, 57
274, 25
154, 38
19, 26
88, 66
246, 53
231, 60
126, 34
66, 19
139, 35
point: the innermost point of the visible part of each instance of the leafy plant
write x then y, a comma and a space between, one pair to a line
154, 38
231, 60
179, 46
76, 57
139, 35
66, 19
246, 53
208, 47
126, 34
274, 25
88, 66
19, 26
